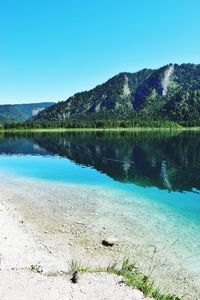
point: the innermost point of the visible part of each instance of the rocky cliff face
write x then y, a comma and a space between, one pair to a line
173, 90
166, 79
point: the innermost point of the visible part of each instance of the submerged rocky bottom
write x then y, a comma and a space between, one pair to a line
75, 219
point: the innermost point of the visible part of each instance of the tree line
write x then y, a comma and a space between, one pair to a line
98, 124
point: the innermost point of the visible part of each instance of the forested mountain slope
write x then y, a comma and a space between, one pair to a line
21, 112
171, 92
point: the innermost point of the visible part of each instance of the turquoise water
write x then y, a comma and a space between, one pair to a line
58, 169
163, 168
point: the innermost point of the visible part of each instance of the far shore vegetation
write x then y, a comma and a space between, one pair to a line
98, 125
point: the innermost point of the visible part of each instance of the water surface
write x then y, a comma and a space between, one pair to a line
157, 171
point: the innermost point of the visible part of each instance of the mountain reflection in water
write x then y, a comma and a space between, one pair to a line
167, 160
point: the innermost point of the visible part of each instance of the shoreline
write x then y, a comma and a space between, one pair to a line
120, 129
78, 227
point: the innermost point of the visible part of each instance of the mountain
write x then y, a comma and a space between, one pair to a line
21, 112
171, 92
3, 120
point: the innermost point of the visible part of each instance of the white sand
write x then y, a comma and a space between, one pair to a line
21, 247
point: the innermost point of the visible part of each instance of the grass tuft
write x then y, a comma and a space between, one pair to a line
129, 271
76, 267
133, 277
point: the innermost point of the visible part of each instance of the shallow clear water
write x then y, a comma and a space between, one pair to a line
162, 169
165, 167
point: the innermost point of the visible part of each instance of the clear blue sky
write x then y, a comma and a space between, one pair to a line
51, 49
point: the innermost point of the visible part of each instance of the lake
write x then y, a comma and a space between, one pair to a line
153, 180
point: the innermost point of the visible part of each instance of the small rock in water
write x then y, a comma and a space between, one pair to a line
109, 242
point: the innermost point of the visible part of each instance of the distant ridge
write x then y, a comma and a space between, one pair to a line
21, 112
171, 92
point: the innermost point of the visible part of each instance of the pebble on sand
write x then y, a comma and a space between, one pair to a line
109, 242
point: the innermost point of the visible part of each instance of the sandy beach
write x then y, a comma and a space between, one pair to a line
46, 226
30, 269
